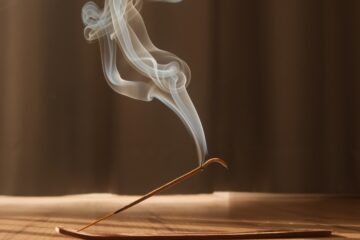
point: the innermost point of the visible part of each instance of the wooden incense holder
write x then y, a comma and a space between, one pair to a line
206, 236
242, 235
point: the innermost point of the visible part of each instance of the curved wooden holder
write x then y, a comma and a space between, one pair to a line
206, 236
240, 235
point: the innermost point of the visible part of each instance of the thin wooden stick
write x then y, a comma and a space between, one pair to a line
161, 188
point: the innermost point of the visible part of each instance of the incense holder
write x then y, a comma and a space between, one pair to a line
306, 233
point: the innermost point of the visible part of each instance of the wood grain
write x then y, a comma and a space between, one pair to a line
36, 218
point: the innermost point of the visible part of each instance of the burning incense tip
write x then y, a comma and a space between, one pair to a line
215, 160
162, 188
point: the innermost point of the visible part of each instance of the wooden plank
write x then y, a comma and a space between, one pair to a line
36, 218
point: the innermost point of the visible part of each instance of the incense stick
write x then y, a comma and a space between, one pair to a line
161, 188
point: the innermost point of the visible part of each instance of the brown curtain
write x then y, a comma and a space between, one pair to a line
286, 94
275, 82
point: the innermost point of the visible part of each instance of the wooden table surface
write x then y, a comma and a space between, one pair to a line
36, 217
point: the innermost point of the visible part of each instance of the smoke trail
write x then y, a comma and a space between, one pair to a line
120, 23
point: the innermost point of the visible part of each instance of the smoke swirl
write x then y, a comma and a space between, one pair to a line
120, 24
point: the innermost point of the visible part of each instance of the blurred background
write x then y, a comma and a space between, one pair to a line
275, 82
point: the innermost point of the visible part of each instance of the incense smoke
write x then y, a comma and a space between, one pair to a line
120, 23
